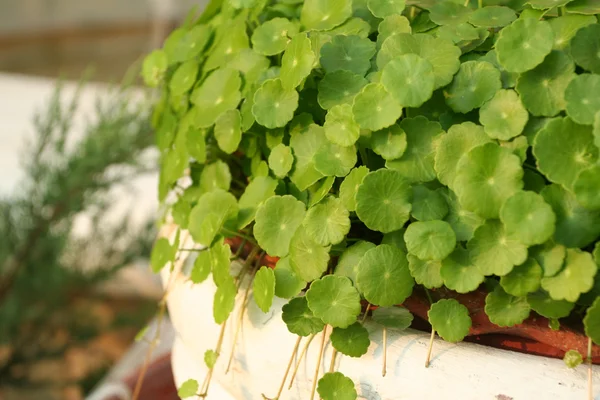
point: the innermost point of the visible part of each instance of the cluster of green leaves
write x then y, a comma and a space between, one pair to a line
375, 146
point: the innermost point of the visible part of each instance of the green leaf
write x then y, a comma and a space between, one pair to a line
587, 7
272, 37
523, 279
575, 278
389, 143
188, 388
460, 273
273, 105
542, 88
572, 358
183, 78
383, 200
162, 253
450, 319
417, 162
391, 25
398, 318
374, 108
449, 13
441, 54
460, 139
386, 8
215, 175
224, 301
307, 257
213, 210
475, 83
231, 37
353, 26
585, 47
587, 188
504, 116
263, 288
277, 220
352, 341
297, 61
340, 127
219, 257
524, 44
410, 79
504, 309
430, 240
300, 319
287, 283
334, 160
547, 4
528, 218
383, 276
210, 358
493, 251
347, 53
339, 88
546, 306
319, 190
428, 205
463, 222
336, 386
550, 256
281, 160
334, 300
305, 145
228, 131
492, 17
487, 176
566, 27
258, 191
576, 226
196, 144
327, 222
154, 68
426, 273
219, 92
183, 44
591, 322
347, 264
350, 186
583, 98
322, 15
201, 268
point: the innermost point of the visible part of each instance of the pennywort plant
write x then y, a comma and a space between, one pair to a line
380, 149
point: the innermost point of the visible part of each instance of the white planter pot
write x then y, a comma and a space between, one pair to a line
457, 371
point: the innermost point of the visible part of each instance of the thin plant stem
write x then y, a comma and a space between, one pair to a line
207, 380
467, 3
364, 317
480, 3
384, 370
240, 249
430, 348
318, 368
248, 238
302, 353
287, 370
589, 362
196, 250
238, 327
332, 363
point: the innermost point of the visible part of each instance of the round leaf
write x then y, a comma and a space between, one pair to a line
544, 305
523, 279
575, 278
348, 53
583, 98
450, 320
219, 92
585, 47
463, 222
297, 61
207, 218
504, 309
383, 200
299, 319
272, 37
492, 17
273, 105
224, 301
228, 131
374, 108
338, 88
352, 341
183, 78
334, 300
154, 68
287, 283
281, 160
389, 143
385, 8
327, 222
350, 186
504, 116
430, 240
347, 264
460, 273
336, 386
322, 15
188, 388
162, 253
493, 251
426, 273
487, 176
277, 219
528, 218
410, 79
340, 127
308, 258
524, 44
263, 288
383, 276
428, 205
591, 322
334, 160
475, 83
587, 188
398, 318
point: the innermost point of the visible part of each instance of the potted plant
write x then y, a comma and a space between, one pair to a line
383, 164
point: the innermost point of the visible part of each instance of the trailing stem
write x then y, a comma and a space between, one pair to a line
384, 369
319, 358
207, 379
429, 348
287, 370
332, 364
302, 353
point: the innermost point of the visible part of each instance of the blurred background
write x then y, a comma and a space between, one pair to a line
77, 198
